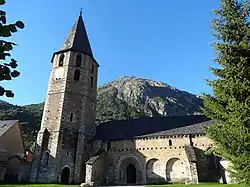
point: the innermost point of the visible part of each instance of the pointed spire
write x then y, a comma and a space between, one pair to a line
77, 39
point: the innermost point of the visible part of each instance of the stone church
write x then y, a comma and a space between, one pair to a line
72, 148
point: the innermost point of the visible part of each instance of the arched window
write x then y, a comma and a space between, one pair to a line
92, 68
71, 117
45, 140
78, 60
91, 81
61, 58
170, 142
77, 75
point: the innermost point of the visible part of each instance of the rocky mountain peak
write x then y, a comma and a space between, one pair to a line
147, 97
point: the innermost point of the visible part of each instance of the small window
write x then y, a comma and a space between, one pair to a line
71, 117
92, 82
61, 58
77, 75
170, 142
78, 60
109, 146
92, 68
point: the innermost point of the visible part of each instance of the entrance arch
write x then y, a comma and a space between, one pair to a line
130, 168
65, 175
131, 174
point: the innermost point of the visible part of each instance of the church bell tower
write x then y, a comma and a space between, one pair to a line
69, 112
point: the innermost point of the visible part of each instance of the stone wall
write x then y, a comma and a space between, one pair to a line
159, 159
24, 174
95, 169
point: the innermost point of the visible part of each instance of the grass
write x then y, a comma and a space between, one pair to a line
200, 185
37, 185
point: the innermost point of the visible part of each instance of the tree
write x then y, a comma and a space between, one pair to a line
229, 106
7, 69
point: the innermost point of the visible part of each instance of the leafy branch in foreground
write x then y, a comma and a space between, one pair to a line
7, 69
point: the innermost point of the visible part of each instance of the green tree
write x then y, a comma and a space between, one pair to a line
7, 69
229, 105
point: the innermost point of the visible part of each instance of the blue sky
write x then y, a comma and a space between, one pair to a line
163, 40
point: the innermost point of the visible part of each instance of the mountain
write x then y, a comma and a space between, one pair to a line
125, 98
131, 97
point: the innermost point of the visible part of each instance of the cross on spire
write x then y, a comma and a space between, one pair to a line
81, 11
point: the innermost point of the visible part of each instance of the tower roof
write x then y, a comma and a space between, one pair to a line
77, 39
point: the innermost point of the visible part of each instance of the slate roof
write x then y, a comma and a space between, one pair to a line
152, 126
6, 125
77, 39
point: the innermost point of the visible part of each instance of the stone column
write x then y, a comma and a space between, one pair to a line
193, 173
88, 177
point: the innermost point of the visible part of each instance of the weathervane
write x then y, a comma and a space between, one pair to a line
81, 11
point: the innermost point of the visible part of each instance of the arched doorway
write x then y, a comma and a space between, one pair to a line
131, 174
65, 175
130, 169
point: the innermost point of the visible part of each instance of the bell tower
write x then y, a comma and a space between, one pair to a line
69, 113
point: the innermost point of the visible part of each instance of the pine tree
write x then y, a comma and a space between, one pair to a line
229, 105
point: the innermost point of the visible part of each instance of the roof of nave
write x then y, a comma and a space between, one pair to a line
152, 126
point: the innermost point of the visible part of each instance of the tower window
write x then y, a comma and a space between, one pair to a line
170, 142
91, 81
71, 117
45, 139
78, 60
77, 75
92, 68
61, 58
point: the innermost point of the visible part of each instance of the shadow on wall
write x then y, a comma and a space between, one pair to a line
44, 164
47, 169
153, 170
208, 166
12, 168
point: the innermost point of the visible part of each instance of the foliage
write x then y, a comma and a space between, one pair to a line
230, 104
109, 107
159, 99
7, 69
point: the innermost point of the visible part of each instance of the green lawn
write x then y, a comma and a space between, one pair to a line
37, 185
200, 185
